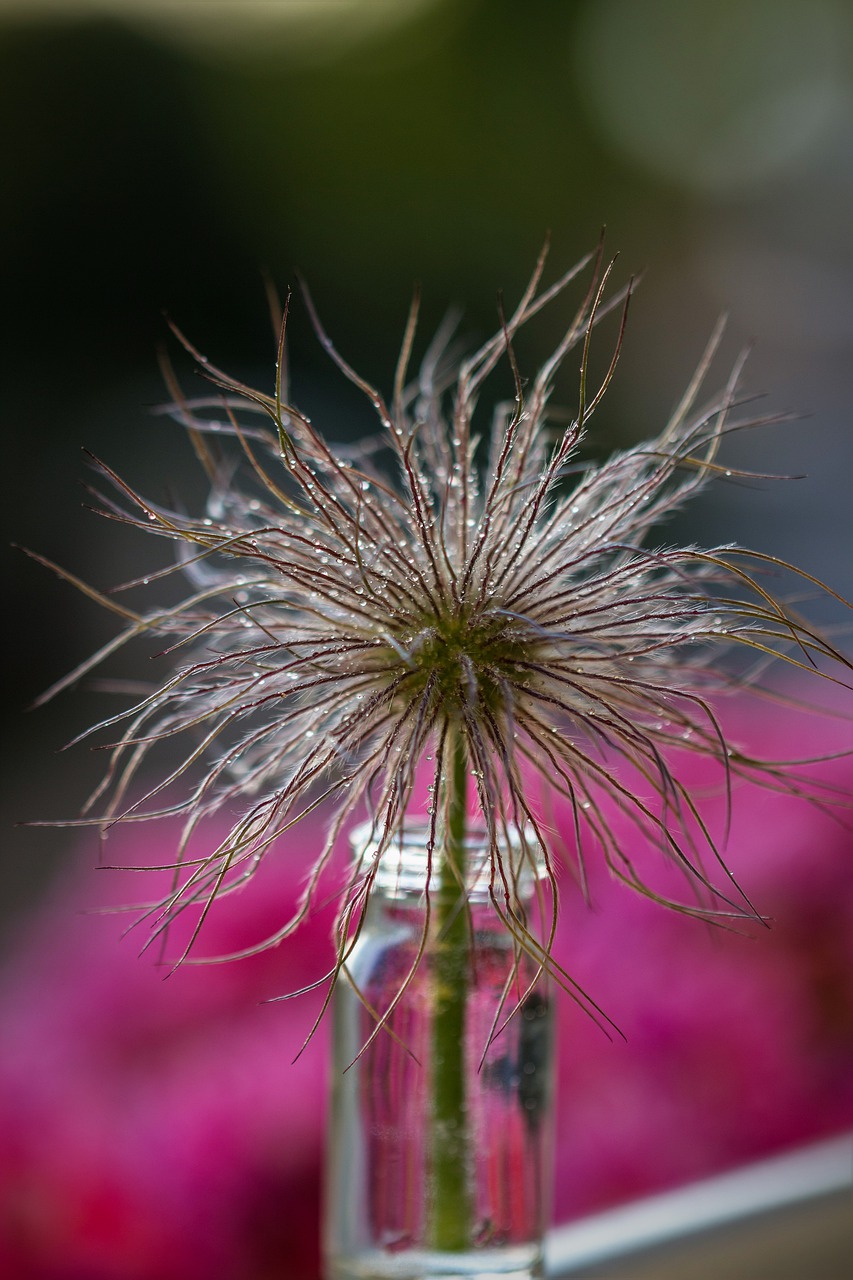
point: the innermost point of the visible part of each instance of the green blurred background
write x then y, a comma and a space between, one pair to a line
165, 155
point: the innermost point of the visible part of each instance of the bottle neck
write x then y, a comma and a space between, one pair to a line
412, 861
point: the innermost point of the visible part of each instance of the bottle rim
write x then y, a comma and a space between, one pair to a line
402, 864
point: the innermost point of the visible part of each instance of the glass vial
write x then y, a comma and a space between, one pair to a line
381, 1193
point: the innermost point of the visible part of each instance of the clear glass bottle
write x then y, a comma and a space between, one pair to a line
380, 1214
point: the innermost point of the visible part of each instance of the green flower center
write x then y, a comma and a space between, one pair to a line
466, 660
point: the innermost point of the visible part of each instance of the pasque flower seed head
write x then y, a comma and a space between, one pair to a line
349, 622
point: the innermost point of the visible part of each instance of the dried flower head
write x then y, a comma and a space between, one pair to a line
490, 606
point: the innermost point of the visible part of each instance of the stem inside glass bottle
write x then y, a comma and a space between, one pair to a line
449, 1200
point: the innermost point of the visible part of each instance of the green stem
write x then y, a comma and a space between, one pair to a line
450, 1202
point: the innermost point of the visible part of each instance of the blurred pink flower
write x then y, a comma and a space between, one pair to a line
151, 1129
158, 1130
738, 1044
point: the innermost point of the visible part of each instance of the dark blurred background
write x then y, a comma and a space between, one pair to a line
161, 156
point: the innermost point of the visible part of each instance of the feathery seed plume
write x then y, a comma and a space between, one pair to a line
485, 608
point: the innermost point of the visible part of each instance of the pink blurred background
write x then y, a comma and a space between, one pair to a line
157, 1129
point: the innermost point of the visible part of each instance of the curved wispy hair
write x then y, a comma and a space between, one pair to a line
351, 621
